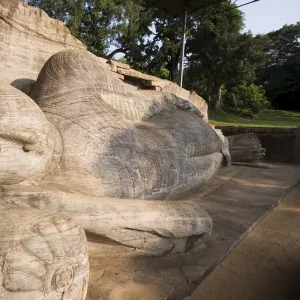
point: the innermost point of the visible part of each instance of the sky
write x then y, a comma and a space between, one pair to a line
267, 15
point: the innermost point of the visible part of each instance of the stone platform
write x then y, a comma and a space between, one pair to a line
281, 144
237, 199
265, 265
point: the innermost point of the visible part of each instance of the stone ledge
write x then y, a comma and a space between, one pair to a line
242, 129
281, 144
118, 64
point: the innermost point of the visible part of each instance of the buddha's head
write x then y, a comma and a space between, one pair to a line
30, 146
122, 143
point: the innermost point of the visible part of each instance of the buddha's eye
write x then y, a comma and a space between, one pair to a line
25, 149
20, 145
26, 140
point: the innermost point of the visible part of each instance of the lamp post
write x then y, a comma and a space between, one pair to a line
182, 48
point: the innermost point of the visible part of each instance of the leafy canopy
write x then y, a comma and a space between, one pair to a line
281, 73
220, 54
246, 99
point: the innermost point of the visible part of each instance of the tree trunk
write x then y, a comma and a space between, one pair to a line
172, 69
215, 99
174, 66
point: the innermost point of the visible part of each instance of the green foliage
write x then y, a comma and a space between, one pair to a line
222, 62
110, 27
122, 60
265, 118
220, 53
156, 49
97, 23
56, 9
246, 99
130, 33
280, 75
167, 39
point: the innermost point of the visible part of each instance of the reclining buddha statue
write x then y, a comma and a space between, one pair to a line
88, 147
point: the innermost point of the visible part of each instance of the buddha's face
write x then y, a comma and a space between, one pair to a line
28, 142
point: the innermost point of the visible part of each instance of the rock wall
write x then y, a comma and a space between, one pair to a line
28, 37
281, 144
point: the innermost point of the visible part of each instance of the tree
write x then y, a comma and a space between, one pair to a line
131, 34
168, 38
245, 98
150, 40
220, 54
281, 72
97, 24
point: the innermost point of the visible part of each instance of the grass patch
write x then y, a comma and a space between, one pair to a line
266, 118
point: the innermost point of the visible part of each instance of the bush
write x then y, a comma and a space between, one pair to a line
246, 99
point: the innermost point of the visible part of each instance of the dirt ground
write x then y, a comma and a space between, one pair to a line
265, 265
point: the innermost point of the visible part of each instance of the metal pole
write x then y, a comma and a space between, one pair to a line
182, 48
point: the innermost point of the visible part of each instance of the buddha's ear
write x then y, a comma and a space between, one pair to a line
30, 146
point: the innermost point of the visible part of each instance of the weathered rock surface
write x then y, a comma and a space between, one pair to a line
119, 143
28, 37
122, 226
264, 266
43, 256
245, 147
30, 145
109, 141
144, 81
